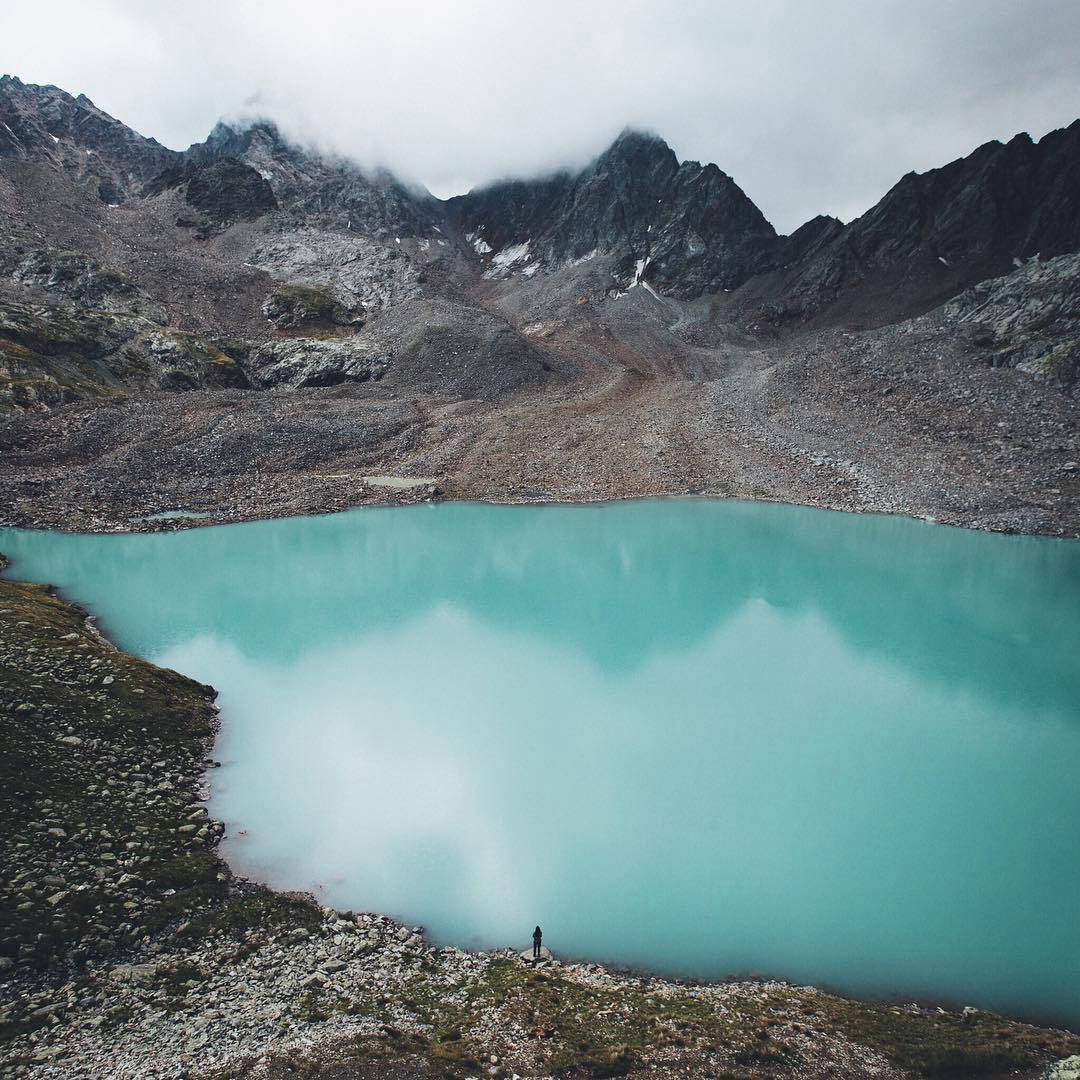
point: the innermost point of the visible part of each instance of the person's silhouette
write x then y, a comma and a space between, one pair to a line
537, 936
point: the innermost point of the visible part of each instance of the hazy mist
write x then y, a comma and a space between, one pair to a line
810, 107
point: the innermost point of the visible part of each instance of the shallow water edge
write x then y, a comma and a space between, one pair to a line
410, 492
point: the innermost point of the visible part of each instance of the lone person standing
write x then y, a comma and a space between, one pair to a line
537, 937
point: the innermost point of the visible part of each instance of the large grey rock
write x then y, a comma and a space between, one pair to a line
294, 306
546, 955
136, 974
312, 362
1029, 319
1066, 1069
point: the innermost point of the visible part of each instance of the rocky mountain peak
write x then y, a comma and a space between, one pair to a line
254, 138
683, 227
332, 191
46, 124
641, 149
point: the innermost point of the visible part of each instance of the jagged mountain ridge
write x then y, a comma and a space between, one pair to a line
683, 228
934, 234
45, 123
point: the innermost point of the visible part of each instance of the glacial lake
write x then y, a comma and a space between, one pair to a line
698, 737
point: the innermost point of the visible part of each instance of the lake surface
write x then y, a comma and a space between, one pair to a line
693, 736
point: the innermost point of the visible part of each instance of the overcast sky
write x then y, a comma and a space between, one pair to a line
813, 107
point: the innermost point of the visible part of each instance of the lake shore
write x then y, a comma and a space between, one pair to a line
131, 949
125, 517
940, 439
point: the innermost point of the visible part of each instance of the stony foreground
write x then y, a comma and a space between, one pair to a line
127, 949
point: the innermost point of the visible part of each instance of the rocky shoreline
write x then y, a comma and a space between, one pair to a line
129, 949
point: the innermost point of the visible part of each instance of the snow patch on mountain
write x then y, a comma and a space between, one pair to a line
512, 257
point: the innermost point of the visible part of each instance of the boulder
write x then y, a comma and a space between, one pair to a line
135, 974
301, 362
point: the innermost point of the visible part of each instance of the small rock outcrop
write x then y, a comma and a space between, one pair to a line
293, 307
52, 355
1029, 319
303, 362
81, 279
221, 191
189, 362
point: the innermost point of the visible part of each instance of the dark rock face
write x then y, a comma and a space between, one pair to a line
685, 228
229, 190
43, 123
223, 191
333, 192
296, 307
1029, 319
936, 233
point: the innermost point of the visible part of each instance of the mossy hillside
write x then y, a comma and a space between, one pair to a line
106, 840
54, 356
97, 750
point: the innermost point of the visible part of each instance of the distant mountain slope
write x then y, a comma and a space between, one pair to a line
934, 234
684, 229
255, 325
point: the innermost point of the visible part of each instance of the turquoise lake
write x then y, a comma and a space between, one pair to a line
698, 737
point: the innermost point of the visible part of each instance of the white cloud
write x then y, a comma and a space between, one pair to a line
811, 107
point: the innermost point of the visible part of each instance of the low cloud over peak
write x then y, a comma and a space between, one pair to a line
811, 108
